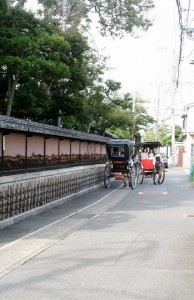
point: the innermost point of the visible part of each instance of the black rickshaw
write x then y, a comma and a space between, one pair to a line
146, 164
120, 162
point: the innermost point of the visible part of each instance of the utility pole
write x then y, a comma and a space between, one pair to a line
173, 134
158, 109
134, 116
173, 114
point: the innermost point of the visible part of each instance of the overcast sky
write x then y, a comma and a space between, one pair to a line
148, 65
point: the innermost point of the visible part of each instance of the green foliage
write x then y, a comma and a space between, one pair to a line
125, 118
114, 17
116, 113
150, 136
178, 133
165, 134
31, 101
45, 69
4, 6
76, 96
31, 50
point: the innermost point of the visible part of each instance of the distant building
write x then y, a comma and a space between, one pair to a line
188, 129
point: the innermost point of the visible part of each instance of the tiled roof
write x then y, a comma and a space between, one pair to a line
24, 125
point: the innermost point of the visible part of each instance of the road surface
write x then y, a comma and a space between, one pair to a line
109, 244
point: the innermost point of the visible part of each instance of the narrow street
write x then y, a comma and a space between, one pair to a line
108, 244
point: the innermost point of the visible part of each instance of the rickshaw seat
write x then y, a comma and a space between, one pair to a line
147, 163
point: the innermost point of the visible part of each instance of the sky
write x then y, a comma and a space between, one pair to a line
147, 66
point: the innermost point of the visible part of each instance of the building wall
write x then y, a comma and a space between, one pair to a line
28, 151
91, 149
35, 145
188, 141
64, 147
17, 144
14, 144
190, 119
98, 148
84, 148
189, 134
51, 146
179, 153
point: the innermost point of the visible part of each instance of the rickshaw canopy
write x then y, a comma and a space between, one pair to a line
125, 148
153, 144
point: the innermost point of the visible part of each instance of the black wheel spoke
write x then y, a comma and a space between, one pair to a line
107, 176
140, 175
133, 176
160, 181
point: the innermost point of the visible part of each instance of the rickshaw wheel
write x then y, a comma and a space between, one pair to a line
140, 175
107, 176
133, 177
162, 177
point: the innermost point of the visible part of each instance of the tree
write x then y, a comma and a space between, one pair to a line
120, 118
4, 6
31, 50
150, 136
165, 135
44, 71
114, 17
178, 133
47, 66
138, 118
80, 98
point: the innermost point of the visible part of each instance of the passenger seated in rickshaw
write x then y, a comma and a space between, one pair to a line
122, 154
115, 152
151, 153
158, 167
144, 153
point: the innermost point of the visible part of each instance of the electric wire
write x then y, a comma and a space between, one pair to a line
181, 41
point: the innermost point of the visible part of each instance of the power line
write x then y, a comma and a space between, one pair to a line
181, 41
188, 10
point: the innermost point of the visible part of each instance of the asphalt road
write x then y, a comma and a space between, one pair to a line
107, 244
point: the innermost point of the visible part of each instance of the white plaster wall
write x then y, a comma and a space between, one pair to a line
14, 144
84, 148
51, 146
97, 149
64, 147
35, 145
103, 149
190, 120
75, 147
187, 155
91, 148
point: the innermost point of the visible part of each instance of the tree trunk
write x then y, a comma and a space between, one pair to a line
5, 4
11, 92
20, 4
